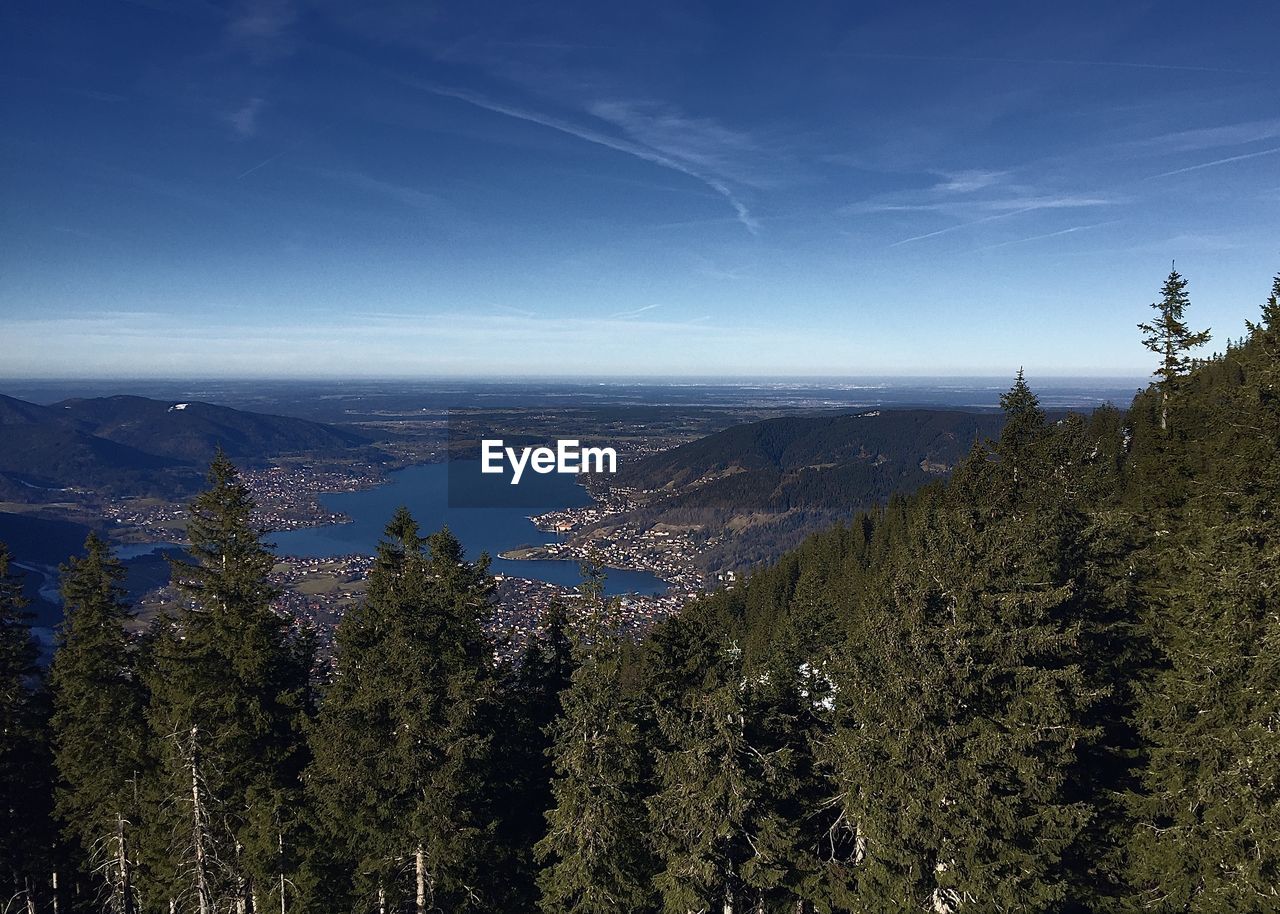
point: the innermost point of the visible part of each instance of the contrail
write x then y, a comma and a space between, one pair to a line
291, 148
245, 174
1215, 162
1065, 231
601, 139
963, 225
636, 313
1129, 65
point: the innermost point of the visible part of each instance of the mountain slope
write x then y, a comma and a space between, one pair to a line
763, 486
138, 446
193, 431
42, 449
791, 444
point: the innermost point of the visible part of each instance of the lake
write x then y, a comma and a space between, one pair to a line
426, 490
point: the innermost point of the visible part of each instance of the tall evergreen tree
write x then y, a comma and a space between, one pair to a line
403, 742
523, 780
1170, 337
728, 816
99, 728
25, 785
594, 856
1270, 312
708, 793
229, 693
1024, 423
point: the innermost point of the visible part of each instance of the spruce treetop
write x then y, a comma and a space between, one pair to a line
1020, 404
18, 650
231, 561
98, 724
1169, 335
1270, 311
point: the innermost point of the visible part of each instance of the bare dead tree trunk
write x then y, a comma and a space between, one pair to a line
242, 886
382, 899
197, 829
123, 878
420, 876
280, 844
728, 899
53, 884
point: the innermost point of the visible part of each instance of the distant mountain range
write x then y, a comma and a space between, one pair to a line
769, 484
140, 445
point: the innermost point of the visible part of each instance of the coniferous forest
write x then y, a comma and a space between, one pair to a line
1049, 683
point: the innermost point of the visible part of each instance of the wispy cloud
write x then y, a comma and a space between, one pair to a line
702, 142
518, 312
627, 315
97, 95
381, 344
1028, 207
259, 22
244, 120
966, 182
1047, 61
1215, 137
1216, 162
708, 267
628, 146
996, 205
400, 193
974, 197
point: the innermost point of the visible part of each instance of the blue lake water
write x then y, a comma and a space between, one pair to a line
425, 491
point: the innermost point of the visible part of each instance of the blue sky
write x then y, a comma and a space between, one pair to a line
393, 188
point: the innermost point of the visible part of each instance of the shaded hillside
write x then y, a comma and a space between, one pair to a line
138, 446
41, 449
799, 443
770, 483
192, 431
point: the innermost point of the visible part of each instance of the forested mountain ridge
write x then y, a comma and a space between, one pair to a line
1049, 683
41, 448
795, 443
765, 485
187, 431
135, 444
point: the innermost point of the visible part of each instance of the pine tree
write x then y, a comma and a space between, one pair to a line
707, 796
25, 787
523, 781
1024, 423
99, 729
1169, 337
229, 693
402, 744
594, 856
728, 814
